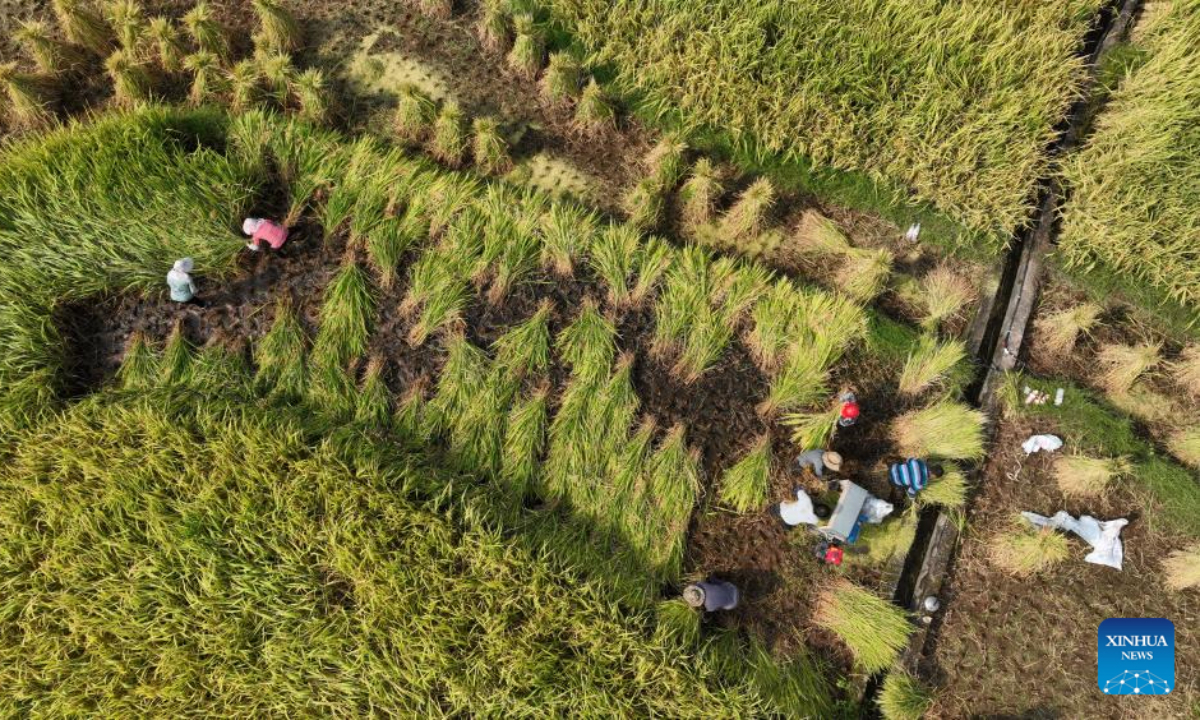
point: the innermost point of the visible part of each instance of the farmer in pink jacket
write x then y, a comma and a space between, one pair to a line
261, 231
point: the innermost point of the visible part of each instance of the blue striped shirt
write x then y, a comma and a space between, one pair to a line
912, 475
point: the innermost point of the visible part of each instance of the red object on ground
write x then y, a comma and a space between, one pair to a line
833, 555
271, 233
850, 411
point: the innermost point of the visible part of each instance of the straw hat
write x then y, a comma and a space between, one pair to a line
693, 595
831, 460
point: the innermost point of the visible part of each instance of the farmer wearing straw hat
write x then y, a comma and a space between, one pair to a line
179, 280
711, 595
818, 460
261, 231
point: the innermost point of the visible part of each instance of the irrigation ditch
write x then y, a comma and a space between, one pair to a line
997, 341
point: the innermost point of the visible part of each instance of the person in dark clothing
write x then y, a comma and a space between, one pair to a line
712, 595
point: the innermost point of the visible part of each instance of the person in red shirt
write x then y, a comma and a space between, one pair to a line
849, 412
829, 552
261, 231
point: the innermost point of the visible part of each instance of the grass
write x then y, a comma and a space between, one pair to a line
525, 349
1122, 365
890, 541
243, 81
1081, 476
644, 204
969, 133
1025, 551
1182, 568
347, 316
588, 344
902, 697
929, 363
83, 26
750, 213
1186, 370
1058, 332
567, 232
873, 629
864, 274
745, 485
946, 429
524, 441
1134, 184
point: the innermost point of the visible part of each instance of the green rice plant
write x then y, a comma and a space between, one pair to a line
614, 259
489, 147
177, 358
83, 26
374, 407
347, 316
448, 297
1121, 365
801, 381
569, 471
564, 77
700, 194
746, 484
750, 212
594, 112
1182, 568
128, 24
278, 31
436, 9
644, 204
929, 363
131, 82
677, 620
206, 77
449, 142
524, 441
890, 541
1058, 332
525, 349
414, 115
949, 491
1186, 370
944, 293
168, 46
613, 412
865, 273
902, 697
311, 96
740, 287
280, 355
495, 25
567, 231
674, 477
308, 163
654, 259
48, 53
28, 97
409, 420
946, 429
278, 73
447, 199
872, 628
1080, 476
683, 303
666, 161
529, 48
1026, 551
588, 344
222, 363
1185, 445
140, 367
243, 80
386, 244
792, 688
703, 346
772, 319
811, 429
205, 32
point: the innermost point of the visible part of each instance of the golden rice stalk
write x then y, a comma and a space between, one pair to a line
1080, 476
865, 274
1058, 332
594, 111
278, 30
131, 82
699, 195
1182, 568
1027, 551
929, 363
1121, 365
949, 491
28, 97
50, 54
944, 293
1186, 370
168, 45
818, 235
1185, 445
947, 430
495, 26
750, 213
83, 26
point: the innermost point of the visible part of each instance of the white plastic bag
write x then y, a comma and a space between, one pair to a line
876, 510
1049, 443
1104, 537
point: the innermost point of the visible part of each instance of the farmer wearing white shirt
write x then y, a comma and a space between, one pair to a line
179, 280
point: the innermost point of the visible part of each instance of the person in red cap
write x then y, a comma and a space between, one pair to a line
849, 413
829, 552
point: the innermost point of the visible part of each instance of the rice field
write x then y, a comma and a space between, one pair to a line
962, 122
1130, 223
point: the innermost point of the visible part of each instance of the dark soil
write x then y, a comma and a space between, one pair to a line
1017, 647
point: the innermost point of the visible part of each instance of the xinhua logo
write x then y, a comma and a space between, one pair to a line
1135, 656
